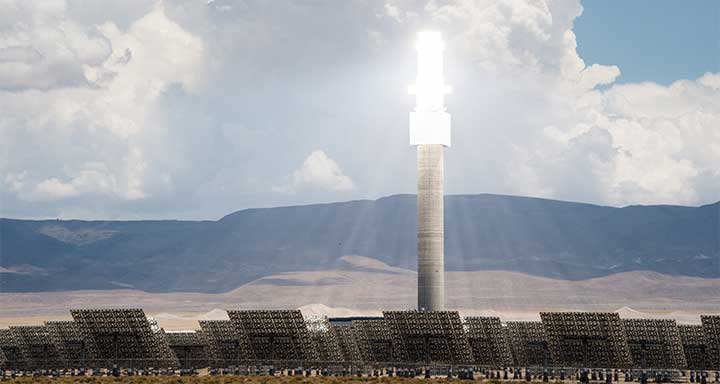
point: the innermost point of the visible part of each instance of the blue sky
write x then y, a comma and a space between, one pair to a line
651, 40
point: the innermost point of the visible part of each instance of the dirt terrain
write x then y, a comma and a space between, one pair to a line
372, 286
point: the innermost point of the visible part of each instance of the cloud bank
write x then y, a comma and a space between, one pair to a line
190, 109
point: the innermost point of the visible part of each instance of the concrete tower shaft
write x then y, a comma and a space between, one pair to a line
430, 132
431, 228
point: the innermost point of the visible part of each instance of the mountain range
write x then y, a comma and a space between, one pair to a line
541, 237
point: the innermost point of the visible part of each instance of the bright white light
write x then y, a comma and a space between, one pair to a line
429, 123
430, 88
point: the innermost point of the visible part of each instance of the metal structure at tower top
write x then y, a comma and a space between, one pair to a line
430, 132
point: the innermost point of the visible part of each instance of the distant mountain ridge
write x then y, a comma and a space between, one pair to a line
483, 232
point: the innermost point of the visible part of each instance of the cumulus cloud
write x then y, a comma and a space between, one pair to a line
627, 144
96, 136
318, 171
41, 49
194, 109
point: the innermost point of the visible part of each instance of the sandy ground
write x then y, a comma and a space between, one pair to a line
510, 295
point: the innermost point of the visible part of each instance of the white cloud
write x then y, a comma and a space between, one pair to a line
93, 179
193, 109
94, 137
668, 141
41, 49
564, 138
53, 189
318, 172
660, 145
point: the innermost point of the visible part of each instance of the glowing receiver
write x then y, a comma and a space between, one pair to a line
429, 123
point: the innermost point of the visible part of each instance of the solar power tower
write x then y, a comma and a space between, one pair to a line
374, 340
487, 340
528, 344
324, 339
345, 335
429, 337
279, 335
36, 347
72, 345
694, 346
227, 346
123, 337
587, 339
655, 343
190, 347
13, 357
430, 132
711, 328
